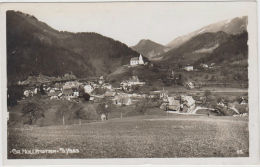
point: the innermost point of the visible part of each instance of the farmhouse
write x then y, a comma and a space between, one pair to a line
137, 61
174, 105
169, 103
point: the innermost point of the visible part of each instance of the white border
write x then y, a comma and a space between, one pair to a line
254, 146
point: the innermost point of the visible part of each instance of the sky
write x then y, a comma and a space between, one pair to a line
130, 22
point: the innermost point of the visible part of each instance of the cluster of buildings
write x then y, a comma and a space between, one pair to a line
124, 95
182, 103
127, 85
72, 90
207, 66
202, 66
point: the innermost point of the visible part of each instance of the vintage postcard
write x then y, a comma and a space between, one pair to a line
129, 83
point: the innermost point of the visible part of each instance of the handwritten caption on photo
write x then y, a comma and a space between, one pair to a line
45, 151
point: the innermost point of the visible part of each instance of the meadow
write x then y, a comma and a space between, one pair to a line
146, 136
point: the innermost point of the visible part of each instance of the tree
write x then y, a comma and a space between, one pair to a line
207, 94
103, 108
99, 91
86, 96
81, 114
142, 106
33, 112
81, 91
42, 90
15, 93
219, 100
179, 79
63, 111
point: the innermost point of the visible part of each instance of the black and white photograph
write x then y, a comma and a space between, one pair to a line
129, 80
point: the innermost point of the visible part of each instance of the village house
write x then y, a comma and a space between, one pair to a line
101, 80
221, 103
135, 81
204, 66
170, 103
243, 101
54, 94
26, 93
70, 89
173, 105
128, 84
71, 84
137, 61
88, 89
164, 95
109, 94
188, 68
67, 92
190, 85
188, 104
107, 86
30, 93
122, 99
132, 81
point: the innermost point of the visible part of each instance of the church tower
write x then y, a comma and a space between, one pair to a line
141, 61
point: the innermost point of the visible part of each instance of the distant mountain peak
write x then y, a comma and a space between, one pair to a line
149, 48
147, 42
231, 26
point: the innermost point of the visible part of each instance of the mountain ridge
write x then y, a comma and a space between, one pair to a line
33, 47
230, 26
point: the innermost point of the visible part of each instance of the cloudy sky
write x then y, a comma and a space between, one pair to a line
130, 22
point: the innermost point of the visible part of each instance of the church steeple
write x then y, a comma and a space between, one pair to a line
141, 61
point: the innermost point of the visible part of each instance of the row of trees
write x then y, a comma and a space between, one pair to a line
33, 111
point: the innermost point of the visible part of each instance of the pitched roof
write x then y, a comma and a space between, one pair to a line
67, 91
135, 59
173, 102
54, 93
110, 93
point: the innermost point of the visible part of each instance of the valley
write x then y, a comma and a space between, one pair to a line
97, 97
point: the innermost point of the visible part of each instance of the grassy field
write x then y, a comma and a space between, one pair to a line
138, 136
